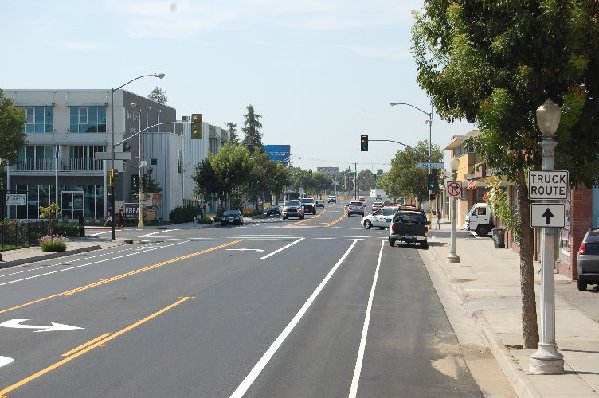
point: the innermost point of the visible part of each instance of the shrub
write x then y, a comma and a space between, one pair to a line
205, 220
181, 214
66, 229
50, 244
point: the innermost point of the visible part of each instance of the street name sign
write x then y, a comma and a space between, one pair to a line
429, 165
454, 189
548, 215
548, 184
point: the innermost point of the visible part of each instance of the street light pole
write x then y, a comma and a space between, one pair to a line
453, 257
140, 214
547, 360
112, 145
430, 148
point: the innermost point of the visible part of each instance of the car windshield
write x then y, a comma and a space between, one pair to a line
355, 203
307, 200
232, 213
292, 203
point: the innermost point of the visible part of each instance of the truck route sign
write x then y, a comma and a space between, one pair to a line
548, 184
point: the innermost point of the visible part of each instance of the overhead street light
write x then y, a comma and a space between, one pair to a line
112, 144
430, 148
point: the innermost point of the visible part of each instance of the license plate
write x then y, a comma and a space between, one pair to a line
409, 237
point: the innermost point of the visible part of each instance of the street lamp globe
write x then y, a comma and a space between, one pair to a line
548, 117
454, 164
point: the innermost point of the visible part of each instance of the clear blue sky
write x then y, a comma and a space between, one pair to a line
320, 72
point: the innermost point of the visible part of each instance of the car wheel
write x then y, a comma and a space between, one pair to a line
367, 224
284, 218
301, 217
381, 227
362, 214
349, 214
481, 230
581, 285
391, 242
424, 245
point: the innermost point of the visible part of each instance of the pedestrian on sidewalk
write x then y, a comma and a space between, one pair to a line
121, 217
108, 219
438, 219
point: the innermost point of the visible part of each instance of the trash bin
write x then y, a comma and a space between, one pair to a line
498, 235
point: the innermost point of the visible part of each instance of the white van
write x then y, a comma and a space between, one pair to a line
479, 219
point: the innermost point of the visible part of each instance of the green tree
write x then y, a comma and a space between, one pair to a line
232, 166
494, 63
158, 95
149, 183
404, 178
251, 129
207, 183
12, 136
232, 129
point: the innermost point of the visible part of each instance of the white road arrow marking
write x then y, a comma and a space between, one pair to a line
244, 249
5, 361
16, 324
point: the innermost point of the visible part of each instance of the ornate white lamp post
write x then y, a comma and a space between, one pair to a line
546, 360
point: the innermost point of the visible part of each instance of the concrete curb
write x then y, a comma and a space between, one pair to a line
49, 256
522, 386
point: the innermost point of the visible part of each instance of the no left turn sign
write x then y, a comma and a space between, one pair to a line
454, 189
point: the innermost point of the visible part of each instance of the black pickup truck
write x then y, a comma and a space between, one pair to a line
410, 227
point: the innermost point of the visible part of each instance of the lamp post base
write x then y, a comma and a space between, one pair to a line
453, 258
546, 360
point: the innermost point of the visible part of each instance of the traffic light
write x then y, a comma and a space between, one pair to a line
135, 182
196, 126
112, 177
364, 142
431, 196
433, 181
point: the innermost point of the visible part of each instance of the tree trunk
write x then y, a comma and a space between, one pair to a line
530, 330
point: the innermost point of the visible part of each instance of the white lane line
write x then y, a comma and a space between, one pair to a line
267, 356
101, 261
3, 283
83, 265
149, 235
33, 276
49, 273
5, 361
132, 254
353, 389
185, 241
66, 269
114, 258
15, 281
282, 248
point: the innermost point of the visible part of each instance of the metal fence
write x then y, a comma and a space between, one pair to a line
22, 233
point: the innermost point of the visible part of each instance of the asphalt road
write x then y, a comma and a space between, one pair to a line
318, 307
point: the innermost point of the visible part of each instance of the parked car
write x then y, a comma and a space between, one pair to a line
231, 217
309, 205
319, 203
332, 199
381, 218
355, 207
293, 208
272, 210
409, 227
588, 260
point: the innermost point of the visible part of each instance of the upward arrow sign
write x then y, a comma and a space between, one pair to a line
548, 214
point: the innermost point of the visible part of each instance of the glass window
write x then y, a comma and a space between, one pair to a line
88, 119
39, 119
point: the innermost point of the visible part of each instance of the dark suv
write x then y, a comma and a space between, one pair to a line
588, 260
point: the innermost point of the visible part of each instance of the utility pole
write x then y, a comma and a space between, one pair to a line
355, 181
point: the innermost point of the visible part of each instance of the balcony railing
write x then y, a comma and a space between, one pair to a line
75, 164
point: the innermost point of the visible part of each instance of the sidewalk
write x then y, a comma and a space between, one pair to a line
487, 283
15, 257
